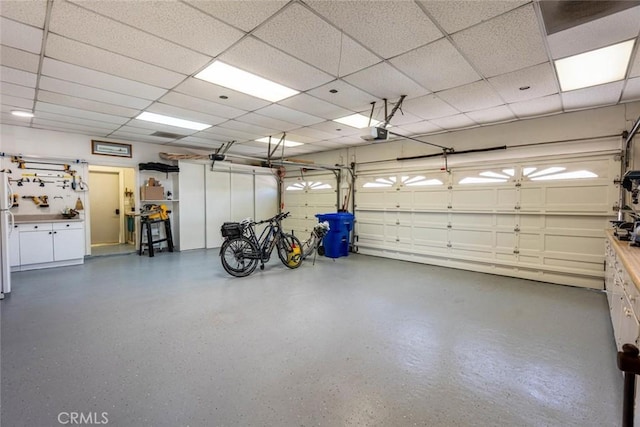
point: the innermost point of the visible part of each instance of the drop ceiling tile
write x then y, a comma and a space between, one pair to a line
400, 118
246, 150
296, 28
454, 122
389, 28
475, 96
13, 101
313, 134
632, 90
75, 112
169, 20
77, 120
19, 77
203, 142
540, 78
348, 141
199, 104
85, 104
225, 134
181, 113
201, 89
69, 127
437, 66
136, 130
297, 137
332, 127
607, 94
257, 57
347, 96
151, 127
77, 53
420, 128
537, 107
315, 106
30, 12
267, 122
429, 107
17, 90
20, 36
595, 34
87, 77
19, 59
501, 113
384, 81
289, 115
326, 145
138, 138
51, 126
8, 119
245, 14
507, 43
454, 16
77, 23
248, 128
68, 88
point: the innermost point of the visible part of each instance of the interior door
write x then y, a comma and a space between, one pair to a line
105, 202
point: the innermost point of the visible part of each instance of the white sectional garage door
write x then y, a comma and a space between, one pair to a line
541, 220
307, 196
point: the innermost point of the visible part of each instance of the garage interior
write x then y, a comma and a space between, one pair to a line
481, 284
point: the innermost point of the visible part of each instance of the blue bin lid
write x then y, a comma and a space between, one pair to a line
335, 216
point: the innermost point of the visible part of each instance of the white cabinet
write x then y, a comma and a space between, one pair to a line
35, 243
44, 245
68, 241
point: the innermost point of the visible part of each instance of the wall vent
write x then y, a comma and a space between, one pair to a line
562, 15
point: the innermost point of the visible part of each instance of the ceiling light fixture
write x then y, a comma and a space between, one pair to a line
287, 143
234, 78
20, 113
172, 121
604, 65
357, 121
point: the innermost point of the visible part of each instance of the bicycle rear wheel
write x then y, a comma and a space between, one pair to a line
290, 250
234, 256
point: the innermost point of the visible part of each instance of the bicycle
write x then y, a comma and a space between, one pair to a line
242, 248
314, 243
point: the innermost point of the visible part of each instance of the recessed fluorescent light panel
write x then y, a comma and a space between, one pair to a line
605, 65
357, 121
234, 78
172, 121
20, 113
274, 141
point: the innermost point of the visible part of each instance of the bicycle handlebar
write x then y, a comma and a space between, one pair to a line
277, 217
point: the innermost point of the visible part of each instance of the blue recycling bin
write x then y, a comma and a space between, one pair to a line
336, 242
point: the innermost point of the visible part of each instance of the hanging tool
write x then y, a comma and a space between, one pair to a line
48, 175
63, 186
58, 197
15, 200
42, 182
19, 181
22, 165
79, 205
40, 201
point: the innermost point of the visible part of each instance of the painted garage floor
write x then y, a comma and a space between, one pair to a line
174, 341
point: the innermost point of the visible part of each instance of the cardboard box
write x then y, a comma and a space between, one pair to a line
152, 193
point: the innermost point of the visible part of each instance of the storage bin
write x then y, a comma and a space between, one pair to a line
336, 242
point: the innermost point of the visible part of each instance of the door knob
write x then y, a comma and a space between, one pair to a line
117, 211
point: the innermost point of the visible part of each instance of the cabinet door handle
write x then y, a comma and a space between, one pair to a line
67, 225
35, 226
55, 232
49, 232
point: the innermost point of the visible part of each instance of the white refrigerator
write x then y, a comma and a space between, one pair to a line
6, 227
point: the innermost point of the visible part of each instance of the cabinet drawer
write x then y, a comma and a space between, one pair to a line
46, 226
67, 225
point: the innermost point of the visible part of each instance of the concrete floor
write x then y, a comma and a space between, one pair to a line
115, 249
174, 341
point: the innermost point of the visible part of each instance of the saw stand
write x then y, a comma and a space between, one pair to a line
145, 228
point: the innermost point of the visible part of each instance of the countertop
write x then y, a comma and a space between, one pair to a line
28, 219
629, 255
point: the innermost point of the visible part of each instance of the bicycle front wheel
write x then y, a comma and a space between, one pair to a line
290, 250
235, 254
